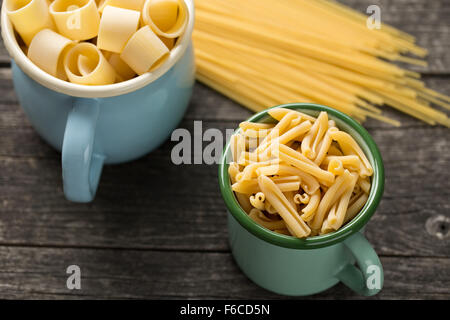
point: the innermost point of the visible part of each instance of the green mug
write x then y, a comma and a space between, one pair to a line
299, 267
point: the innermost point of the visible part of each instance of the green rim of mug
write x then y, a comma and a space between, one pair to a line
368, 145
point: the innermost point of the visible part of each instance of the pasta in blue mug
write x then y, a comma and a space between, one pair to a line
105, 124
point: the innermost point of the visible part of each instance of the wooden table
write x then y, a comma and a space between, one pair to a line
157, 230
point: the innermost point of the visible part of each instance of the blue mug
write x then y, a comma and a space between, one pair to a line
97, 125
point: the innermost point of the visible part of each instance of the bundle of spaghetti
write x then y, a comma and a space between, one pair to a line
262, 53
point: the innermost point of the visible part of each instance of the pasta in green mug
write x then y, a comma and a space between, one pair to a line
292, 266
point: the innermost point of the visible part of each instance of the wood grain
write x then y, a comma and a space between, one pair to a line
136, 274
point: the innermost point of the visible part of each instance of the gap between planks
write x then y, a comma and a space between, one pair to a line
175, 250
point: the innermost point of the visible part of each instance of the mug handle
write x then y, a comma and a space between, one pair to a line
81, 166
366, 279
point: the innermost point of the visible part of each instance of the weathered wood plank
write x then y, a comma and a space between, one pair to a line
40, 273
135, 206
4, 56
426, 20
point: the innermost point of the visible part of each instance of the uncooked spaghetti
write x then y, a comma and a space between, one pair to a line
262, 53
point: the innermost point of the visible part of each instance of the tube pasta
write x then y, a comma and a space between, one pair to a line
167, 18
347, 161
100, 3
251, 186
313, 196
308, 182
286, 179
85, 64
336, 167
336, 219
255, 125
324, 146
357, 189
251, 143
258, 200
168, 42
290, 197
334, 151
322, 123
355, 196
162, 13
243, 199
247, 158
233, 170
259, 217
269, 208
289, 186
237, 146
255, 130
301, 198
47, 51
356, 207
117, 25
299, 161
76, 19
307, 146
255, 134
144, 50
284, 208
29, 17
250, 170
123, 71
294, 132
350, 147
364, 185
330, 197
310, 209
326, 226
280, 128
304, 198
280, 113
124, 4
